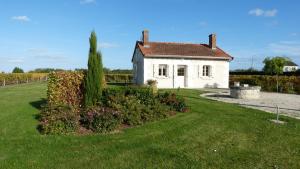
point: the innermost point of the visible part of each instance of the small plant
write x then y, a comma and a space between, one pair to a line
153, 85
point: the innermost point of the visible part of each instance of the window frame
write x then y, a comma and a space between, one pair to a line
163, 70
181, 68
207, 71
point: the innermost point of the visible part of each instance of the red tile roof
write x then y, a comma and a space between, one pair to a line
181, 50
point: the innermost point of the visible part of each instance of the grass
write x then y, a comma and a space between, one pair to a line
212, 135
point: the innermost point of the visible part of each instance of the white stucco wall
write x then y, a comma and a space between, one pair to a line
194, 77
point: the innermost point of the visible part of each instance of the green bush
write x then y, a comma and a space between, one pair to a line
59, 120
137, 104
287, 84
65, 88
176, 102
101, 119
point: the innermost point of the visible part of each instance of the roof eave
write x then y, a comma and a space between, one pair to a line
190, 57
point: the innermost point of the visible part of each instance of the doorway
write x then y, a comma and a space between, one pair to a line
181, 75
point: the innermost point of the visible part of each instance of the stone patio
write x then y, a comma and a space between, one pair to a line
289, 104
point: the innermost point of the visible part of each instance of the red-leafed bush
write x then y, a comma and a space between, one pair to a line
66, 88
58, 119
176, 102
101, 119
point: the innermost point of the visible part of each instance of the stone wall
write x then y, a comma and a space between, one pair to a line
245, 92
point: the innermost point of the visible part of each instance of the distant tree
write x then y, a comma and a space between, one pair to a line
17, 70
274, 66
45, 70
246, 70
94, 78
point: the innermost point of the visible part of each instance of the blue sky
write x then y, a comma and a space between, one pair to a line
54, 33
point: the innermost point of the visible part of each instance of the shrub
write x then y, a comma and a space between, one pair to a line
65, 88
59, 120
101, 119
138, 105
176, 102
144, 94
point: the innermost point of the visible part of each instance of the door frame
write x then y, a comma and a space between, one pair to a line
185, 74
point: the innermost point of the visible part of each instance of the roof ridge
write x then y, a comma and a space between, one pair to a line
179, 43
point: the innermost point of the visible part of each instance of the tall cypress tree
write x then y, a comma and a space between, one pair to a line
94, 76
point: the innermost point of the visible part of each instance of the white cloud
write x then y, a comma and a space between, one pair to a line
261, 12
271, 13
15, 61
294, 34
21, 18
203, 24
108, 45
272, 23
287, 48
256, 12
87, 1
37, 50
42, 53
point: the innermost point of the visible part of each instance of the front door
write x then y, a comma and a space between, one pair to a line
181, 73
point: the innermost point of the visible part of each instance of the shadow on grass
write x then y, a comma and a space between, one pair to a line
39, 103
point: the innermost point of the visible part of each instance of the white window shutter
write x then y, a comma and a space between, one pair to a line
211, 71
155, 70
168, 71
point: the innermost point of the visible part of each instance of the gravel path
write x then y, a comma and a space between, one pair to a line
289, 104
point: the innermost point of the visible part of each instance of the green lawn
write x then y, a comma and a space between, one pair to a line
212, 135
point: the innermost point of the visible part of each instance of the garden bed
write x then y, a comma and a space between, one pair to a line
119, 106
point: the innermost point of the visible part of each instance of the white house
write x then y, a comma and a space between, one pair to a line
182, 65
290, 66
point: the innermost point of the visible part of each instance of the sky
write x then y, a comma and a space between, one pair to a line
55, 33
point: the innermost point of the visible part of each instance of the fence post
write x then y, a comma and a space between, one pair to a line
277, 118
27, 80
4, 82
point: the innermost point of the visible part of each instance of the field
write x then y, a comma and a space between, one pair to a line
211, 135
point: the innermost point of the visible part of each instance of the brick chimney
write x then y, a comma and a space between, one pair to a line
145, 38
213, 41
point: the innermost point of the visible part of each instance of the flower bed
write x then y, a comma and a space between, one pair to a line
119, 106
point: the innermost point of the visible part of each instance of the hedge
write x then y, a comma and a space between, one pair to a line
65, 88
287, 84
17, 78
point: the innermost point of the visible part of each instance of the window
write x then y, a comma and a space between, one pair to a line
180, 71
162, 70
206, 70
